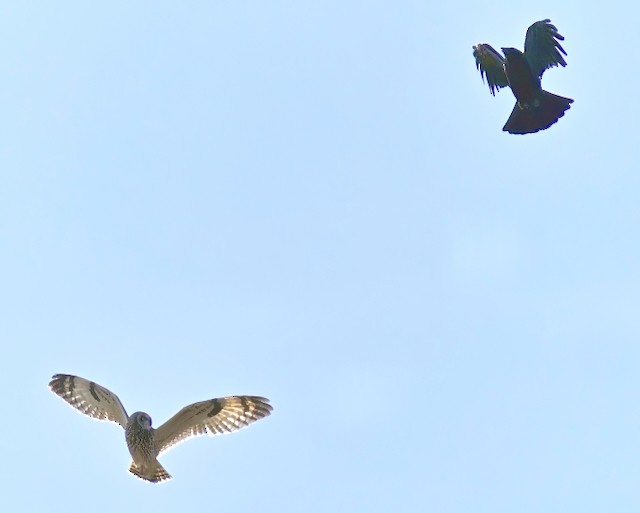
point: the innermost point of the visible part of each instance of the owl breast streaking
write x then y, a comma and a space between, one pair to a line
145, 443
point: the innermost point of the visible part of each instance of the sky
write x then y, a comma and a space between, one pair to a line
314, 201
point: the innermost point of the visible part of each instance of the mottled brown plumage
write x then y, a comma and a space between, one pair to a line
212, 417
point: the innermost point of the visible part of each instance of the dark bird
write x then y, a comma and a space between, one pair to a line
535, 109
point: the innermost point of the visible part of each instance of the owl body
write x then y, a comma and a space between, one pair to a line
215, 416
140, 441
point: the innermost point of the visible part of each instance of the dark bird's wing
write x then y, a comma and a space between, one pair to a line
490, 63
541, 47
216, 416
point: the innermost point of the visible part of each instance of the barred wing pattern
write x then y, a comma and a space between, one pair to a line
212, 417
89, 398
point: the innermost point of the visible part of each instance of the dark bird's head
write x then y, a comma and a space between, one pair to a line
512, 53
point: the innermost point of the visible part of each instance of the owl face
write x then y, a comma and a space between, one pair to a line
142, 419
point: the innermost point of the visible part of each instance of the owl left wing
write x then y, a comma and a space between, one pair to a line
89, 398
212, 417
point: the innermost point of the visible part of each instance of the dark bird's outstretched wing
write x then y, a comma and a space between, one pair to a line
490, 63
541, 47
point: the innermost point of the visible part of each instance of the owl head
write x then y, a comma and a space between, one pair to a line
142, 419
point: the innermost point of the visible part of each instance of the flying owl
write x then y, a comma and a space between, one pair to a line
212, 417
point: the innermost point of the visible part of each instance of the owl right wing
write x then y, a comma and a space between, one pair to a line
212, 417
90, 398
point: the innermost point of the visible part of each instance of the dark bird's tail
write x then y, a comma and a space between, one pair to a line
541, 113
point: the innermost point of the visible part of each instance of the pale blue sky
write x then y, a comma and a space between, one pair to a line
314, 201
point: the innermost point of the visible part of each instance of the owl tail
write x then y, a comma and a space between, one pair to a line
153, 475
